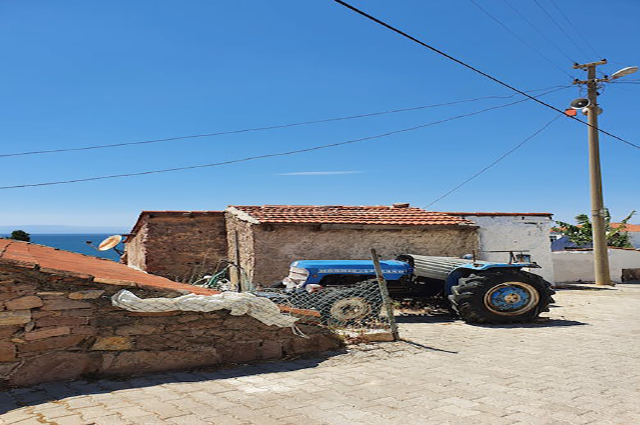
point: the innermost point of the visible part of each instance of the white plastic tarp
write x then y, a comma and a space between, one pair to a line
238, 304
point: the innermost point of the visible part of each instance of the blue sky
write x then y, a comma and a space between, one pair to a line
88, 72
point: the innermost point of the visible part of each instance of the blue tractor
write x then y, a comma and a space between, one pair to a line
477, 291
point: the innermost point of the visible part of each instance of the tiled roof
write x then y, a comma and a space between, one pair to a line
628, 227
341, 214
103, 271
499, 214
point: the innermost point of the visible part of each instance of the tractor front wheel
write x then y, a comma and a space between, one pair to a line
501, 297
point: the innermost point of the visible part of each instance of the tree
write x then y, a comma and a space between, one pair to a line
581, 233
20, 235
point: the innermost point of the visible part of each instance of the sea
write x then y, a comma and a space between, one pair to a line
76, 242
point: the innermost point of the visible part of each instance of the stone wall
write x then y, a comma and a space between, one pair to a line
58, 326
180, 246
276, 246
135, 249
240, 242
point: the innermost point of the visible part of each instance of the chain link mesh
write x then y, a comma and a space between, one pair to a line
350, 310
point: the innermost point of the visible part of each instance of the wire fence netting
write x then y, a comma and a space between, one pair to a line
350, 311
346, 309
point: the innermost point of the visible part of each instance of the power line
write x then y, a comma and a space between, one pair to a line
513, 33
524, 17
561, 29
476, 70
272, 127
576, 30
271, 155
483, 170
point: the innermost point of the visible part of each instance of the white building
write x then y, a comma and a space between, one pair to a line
577, 265
514, 232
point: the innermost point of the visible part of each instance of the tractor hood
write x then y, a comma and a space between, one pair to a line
391, 269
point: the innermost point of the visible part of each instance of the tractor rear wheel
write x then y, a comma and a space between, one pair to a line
501, 296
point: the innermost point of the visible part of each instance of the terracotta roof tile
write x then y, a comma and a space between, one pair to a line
628, 227
499, 214
50, 259
341, 214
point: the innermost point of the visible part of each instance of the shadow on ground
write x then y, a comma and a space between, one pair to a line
583, 287
425, 318
16, 398
542, 322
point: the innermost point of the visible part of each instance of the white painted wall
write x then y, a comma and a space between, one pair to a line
574, 266
635, 239
527, 233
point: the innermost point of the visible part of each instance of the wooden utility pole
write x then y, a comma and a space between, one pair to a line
386, 299
600, 250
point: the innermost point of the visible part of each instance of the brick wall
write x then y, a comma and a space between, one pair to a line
268, 250
180, 246
57, 326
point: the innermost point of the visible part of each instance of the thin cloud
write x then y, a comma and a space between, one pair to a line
319, 173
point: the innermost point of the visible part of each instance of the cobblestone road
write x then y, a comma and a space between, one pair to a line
582, 366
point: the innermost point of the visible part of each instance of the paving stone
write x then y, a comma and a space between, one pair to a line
75, 419
160, 408
130, 412
579, 367
89, 413
109, 420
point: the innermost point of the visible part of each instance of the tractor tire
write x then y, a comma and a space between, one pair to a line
501, 296
343, 307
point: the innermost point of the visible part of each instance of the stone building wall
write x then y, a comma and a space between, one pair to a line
59, 326
180, 246
274, 247
240, 241
135, 249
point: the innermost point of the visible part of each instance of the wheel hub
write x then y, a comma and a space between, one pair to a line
511, 298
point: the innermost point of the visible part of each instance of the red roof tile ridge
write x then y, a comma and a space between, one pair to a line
344, 214
51, 260
70, 252
480, 213
7, 243
629, 227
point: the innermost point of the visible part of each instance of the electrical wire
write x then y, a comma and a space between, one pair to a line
524, 17
486, 168
476, 70
271, 155
576, 30
272, 127
561, 29
523, 41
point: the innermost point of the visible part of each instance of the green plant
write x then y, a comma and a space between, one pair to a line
20, 235
581, 233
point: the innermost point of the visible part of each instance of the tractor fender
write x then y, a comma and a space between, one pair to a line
466, 269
